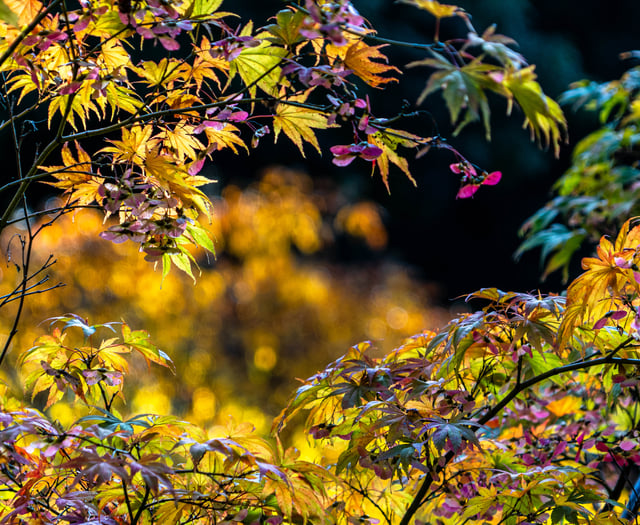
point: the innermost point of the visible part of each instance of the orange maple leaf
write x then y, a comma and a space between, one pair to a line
368, 63
605, 283
26, 10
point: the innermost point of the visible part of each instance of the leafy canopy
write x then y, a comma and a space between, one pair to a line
522, 412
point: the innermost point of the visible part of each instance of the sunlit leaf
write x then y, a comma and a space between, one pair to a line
298, 122
7, 15
435, 8
260, 67
368, 63
542, 114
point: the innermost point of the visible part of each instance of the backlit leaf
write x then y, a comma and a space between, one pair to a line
435, 8
298, 123
388, 141
7, 15
542, 114
203, 8
368, 63
26, 10
260, 67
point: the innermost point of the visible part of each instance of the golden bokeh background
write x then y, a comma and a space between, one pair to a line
277, 304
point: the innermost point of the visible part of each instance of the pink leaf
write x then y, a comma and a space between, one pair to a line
455, 167
628, 445
72, 87
371, 153
600, 323
467, 191
621, 262
493, 178
196, 166
340, 150
343, 160
169, 43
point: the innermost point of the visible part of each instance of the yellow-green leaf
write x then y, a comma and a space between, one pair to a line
260, 67
542, 114
203, 8
435, 8
299, 122
7, 15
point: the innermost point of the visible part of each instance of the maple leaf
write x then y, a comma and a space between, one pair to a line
368, 63
133, 146
601, 288
75, 176
113, 56
388, 141
435, 8
181, 141
205, 66
163, 72
463, 88
542, 114
7, 15
227, 137
260, 67
298, 122
26, 10
286, 30
202, 8
81, 105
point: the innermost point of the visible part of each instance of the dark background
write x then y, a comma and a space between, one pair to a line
467, 244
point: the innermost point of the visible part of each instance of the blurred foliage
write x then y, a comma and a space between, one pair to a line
601, 189
273, 306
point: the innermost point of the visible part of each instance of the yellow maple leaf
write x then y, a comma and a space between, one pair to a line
227, 137
604, 284
260, 67
368, 63
182, 142
113, 56
133, 146
435, 8
26, 10
298, 123
177, 181
388, 141
75, 176
565, 405
161, 73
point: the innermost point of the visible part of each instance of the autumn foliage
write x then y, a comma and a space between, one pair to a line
524, 411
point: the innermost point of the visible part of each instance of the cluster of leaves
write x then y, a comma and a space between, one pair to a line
174, 113
522, 412
144, 469
601, 188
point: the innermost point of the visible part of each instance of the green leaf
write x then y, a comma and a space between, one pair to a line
463, 89
260, 67
201, 237
287, 29
203, 8
139, 340
7, 15
543, 115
